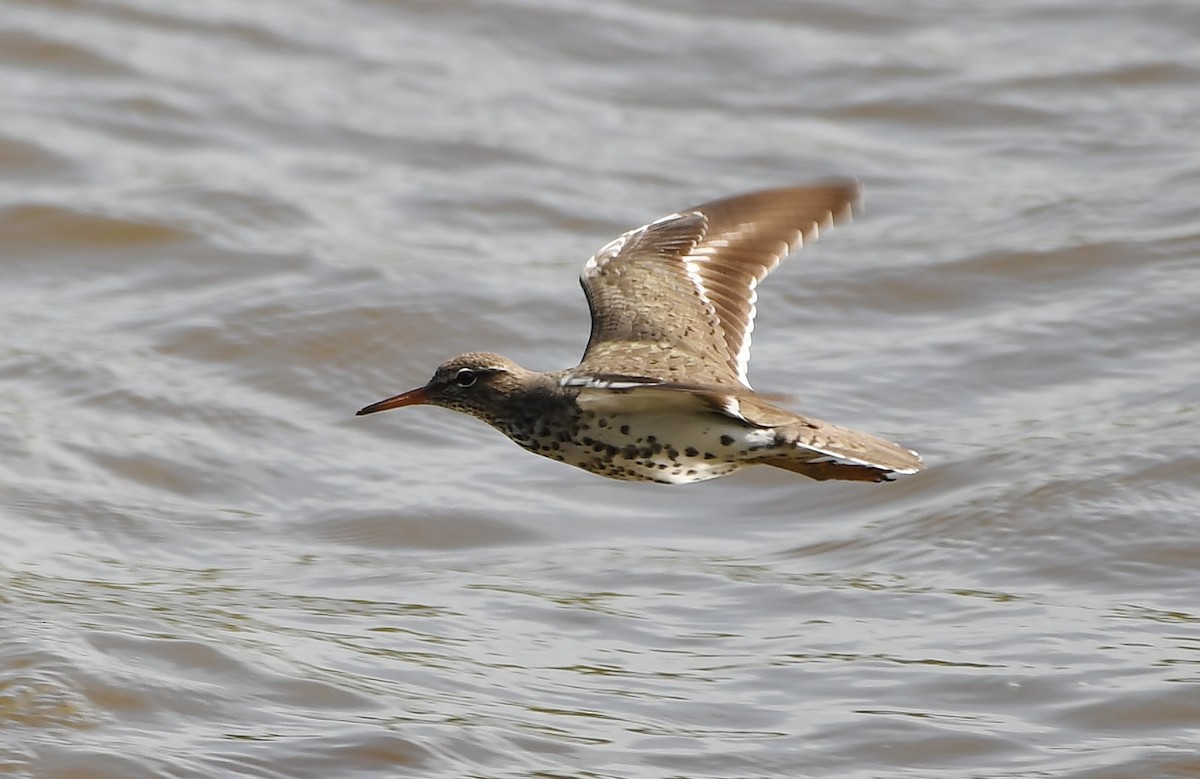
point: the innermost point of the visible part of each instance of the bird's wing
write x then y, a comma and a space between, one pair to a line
678, 294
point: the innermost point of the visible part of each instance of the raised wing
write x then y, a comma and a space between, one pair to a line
678, 295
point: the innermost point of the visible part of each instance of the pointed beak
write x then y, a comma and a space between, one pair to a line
411, 398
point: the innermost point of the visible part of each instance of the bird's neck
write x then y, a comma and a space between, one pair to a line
537, 401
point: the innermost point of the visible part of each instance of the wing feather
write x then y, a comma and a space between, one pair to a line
686, 284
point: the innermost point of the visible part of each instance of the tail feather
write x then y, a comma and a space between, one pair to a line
826, 469
823, 451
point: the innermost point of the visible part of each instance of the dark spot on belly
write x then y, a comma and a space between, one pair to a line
727, 440
709, 456
692, 451
624, 429
673, 453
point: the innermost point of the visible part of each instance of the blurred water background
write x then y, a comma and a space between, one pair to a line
225, 226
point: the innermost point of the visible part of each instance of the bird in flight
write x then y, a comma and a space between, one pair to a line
661, 393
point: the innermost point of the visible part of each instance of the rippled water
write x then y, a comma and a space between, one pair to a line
225, 226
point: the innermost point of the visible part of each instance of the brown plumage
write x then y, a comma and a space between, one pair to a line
661, 393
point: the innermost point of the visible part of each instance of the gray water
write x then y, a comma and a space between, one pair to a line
225, 226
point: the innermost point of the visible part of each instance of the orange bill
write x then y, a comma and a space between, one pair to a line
411, 398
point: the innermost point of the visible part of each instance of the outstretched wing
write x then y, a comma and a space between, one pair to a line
677, 295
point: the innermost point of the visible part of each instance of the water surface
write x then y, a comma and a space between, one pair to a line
226, 226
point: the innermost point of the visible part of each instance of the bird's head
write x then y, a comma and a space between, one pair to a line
475, 383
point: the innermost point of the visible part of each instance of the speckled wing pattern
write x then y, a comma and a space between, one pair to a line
675, 298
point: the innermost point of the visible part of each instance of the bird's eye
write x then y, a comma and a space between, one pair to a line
465, 377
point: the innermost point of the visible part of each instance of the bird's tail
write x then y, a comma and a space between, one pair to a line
823, 451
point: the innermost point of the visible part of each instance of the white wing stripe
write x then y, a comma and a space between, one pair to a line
593, 382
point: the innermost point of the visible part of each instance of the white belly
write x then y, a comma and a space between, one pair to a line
661, 447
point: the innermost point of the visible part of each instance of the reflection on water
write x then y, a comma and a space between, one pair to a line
225, 227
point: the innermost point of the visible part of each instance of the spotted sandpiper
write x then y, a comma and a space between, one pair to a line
661, 393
